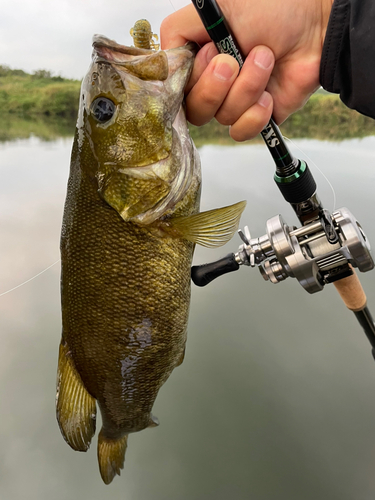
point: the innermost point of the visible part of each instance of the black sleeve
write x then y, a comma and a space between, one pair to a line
348, 59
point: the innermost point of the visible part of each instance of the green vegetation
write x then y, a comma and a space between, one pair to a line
46, 106
324, 117
37, 94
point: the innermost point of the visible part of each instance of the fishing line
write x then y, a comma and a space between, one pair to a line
173, 7
27, 281
319, 170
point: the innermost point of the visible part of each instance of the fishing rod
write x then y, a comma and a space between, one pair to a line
326, 247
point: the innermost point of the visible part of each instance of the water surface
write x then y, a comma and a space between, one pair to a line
276, 397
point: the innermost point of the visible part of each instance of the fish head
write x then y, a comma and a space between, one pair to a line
129, 100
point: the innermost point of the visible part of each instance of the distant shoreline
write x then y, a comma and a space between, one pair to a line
37, 94
44, 105
323, 117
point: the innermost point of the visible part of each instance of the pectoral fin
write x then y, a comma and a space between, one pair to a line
209, 229
75, 407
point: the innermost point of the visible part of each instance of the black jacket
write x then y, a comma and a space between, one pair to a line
348, 59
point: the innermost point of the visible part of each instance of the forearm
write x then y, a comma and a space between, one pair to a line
348, 58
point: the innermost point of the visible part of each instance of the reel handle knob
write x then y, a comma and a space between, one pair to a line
204, 274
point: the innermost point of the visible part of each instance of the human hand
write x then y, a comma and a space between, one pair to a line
283, 42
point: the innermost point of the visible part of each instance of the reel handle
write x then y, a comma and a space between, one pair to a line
203, 275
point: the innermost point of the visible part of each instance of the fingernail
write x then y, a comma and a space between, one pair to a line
265, 100
223, 71
263, 58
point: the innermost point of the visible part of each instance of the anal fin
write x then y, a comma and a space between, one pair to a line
75, 407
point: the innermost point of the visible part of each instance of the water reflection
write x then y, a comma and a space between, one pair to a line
13, 127
275, 397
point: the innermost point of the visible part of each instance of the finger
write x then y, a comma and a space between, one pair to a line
182, 26
291, 84
202, 59
249, 86
207, 95
253, 121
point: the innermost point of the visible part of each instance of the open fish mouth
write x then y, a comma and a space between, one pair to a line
110, 49
147, 64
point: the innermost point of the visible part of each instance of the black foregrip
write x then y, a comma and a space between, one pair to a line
297, 189
204, 274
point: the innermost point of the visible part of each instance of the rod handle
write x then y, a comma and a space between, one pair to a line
204, 274
351, 292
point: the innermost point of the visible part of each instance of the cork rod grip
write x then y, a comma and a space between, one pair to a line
351, 292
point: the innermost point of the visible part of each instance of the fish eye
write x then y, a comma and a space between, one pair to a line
103, 109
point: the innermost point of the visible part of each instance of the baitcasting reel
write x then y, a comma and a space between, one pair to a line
315, 254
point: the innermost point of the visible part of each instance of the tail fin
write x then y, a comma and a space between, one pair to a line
111, 456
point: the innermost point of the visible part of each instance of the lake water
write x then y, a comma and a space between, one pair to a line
276, 397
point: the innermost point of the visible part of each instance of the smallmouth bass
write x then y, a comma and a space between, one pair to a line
130, 224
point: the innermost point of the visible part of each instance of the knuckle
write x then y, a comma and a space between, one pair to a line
249, 88
251, 81
197, 119
224, 118
239, 135
261, 118
250, 125
209, 99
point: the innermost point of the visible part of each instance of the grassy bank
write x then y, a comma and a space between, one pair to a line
40, 96
37, 94
324, 117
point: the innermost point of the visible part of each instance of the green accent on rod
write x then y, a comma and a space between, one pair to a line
292, 177
215, 24
278, 159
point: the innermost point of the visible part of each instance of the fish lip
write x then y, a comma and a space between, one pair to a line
104, 46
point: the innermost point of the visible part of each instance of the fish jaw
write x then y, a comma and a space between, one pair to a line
147, 131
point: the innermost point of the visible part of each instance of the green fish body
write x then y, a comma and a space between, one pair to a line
131, 222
